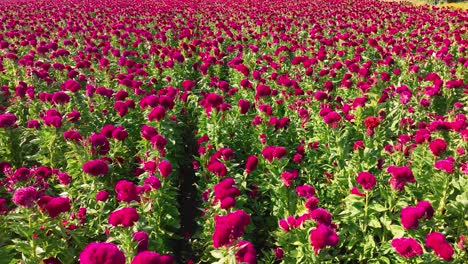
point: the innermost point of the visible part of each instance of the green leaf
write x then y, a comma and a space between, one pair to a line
378, 207
397, 231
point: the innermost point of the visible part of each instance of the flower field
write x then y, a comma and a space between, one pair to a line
246, 131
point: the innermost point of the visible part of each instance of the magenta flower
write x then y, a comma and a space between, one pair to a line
246, 253
400, 176
126, 191
366, 180
251, 164
407, 247
54, 205
96, 167
25, 197
441, 247
321, 237
101, 253
437, 146
126, 217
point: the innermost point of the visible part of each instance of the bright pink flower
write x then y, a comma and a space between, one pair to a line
321, 237
400, 176
437, 146
407, 247
366, 180
246, 253
101, 253
25, 197
251, 164
96, 167
165, 168
126, 191
441, 247
126, 217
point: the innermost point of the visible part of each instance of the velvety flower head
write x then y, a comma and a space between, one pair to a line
407, 247
279, 253
157, 114
371, 122
159, 142
126, 217
332, 119
96, 167
246, 253
229, 227
244, 106
7, 120
410, 216
54, 205
400, 176
72, 135
226, 192
149, 257
445, 165
427, 208
439, 244
321, 216
126, 191
3, 206
102, 196
218, 168
305, 191
147, 132
321, 237
142, 238
273, 152
251, 164
101, 253
165, 168
288, 176
99, 144
366, 180
153, 182
71, 85
25, 197
437, 146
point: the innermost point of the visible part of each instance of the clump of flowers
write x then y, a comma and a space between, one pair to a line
441, 247
229, 227
400, 176
225, 193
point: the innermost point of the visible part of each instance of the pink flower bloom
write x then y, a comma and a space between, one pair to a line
126, 191
96, 167
25, 197
366, 180
246, 253
251, 164
400, 176
437, 146
126, 217
444, 165
165, 168
149, 257
54, 205
407, 247
321, 237
142, 238
441, 247
100, 253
